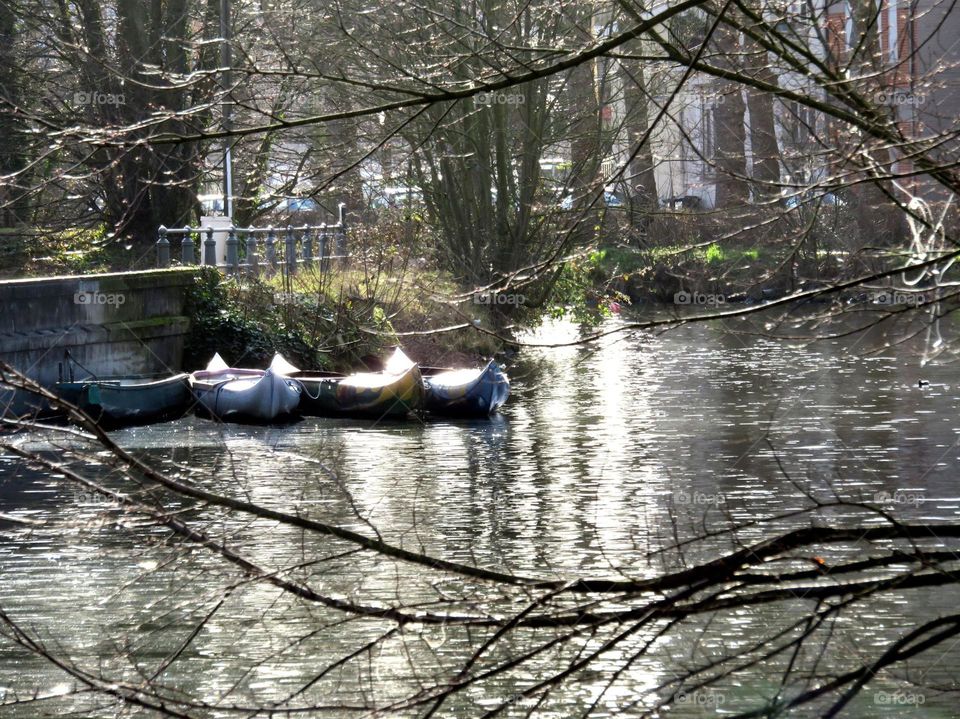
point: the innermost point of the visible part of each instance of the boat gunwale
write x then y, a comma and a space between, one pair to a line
115, 384
338, 378
430, 379
231, 373
466, 405
399, 385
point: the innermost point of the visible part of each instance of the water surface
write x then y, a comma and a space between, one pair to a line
604, 455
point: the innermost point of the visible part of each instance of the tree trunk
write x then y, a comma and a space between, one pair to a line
13, 135
732, 188
584, 149
641, 176
763, 135
585, 130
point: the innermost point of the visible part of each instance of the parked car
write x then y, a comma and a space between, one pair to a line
298, 204
290, 205
388, 197
812, 197
609, 200
682, 202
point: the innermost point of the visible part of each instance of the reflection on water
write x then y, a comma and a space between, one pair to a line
603, 455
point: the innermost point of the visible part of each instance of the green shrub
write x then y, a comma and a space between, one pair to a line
715, 253
245, 333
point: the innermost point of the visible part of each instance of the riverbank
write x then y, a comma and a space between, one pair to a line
772, 253
334, 318
340, 316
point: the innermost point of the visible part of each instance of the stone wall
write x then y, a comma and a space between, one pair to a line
122, 324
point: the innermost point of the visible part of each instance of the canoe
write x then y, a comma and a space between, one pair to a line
229, 393
463, 392
466, 392
364, 394
119, 402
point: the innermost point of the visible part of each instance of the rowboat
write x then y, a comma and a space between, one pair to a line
230, 393
119, 402
364, 394
462, 392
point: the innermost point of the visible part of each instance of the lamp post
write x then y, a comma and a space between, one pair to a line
226, 62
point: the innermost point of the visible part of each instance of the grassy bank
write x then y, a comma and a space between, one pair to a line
770, 253
333, 318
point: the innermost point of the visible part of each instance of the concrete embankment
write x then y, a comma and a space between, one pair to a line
121, 324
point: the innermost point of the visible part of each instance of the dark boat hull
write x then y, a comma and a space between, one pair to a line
466, 393
362, 395
129, 402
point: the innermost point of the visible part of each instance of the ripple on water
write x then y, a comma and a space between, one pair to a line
601, 456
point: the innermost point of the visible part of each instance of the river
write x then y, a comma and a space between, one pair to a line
604, 455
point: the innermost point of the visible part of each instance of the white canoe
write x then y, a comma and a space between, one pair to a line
252, 394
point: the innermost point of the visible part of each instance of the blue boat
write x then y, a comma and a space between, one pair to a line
462, 392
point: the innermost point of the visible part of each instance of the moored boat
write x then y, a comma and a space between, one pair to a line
364, 394
462, 392
230, 393
119, 402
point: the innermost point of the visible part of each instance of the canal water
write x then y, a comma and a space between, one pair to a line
605, 457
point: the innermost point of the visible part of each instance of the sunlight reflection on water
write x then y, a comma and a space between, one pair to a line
603, 454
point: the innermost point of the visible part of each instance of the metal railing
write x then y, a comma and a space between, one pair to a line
283, 247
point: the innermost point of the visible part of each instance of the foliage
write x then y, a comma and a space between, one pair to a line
584, 291
328, 317
238, 325
62, 252
715, 254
